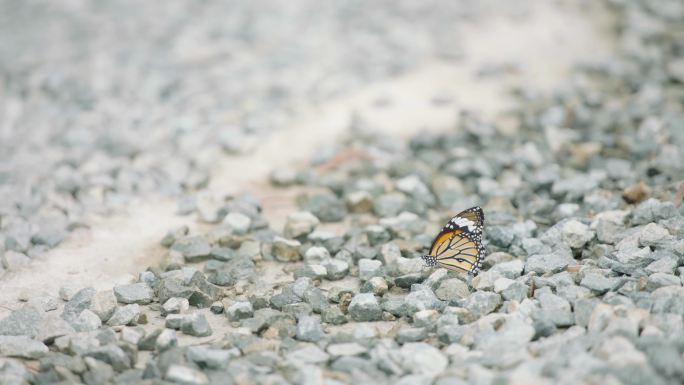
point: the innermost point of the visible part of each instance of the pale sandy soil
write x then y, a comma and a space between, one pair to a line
543, 48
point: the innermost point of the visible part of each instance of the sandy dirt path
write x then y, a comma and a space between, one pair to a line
541, 50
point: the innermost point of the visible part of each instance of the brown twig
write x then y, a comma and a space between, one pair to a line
340, 158
569, 117
680, 194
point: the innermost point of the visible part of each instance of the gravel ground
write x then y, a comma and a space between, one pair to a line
80, 87
582, 282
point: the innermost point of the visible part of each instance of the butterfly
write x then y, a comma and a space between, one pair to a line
459, 245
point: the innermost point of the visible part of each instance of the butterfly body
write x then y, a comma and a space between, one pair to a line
458, 246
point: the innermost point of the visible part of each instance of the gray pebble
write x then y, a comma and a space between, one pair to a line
557, 309
317, 255
336, 269
86, 321
377, 235
421, 358
175, 305
333, 315
311, 271
652, 235
124, 315
511, 269
583, 308
239, 311
365, 307
238, 222
598, 283
309, 329
80, 301
359, 202
52, 327
421, 298
286, 250
283, 176
409, 334
576, 234
665, 263
547, 263
517, 291
184, 375
166, 339
652, 210
300, 224
408, 280
172, 287
375, 285
112, 355
67, 291
103, 304
658, 280
326, 207
14, 260
138, 293
500, 236
316, 298
132, 335
285, 297
22, 347
369, 268
481, 303
24, 321
346, 349
216, 307
195, 324
205, 356
193, 248
98, 372
404, 225
610, 225
298, 310
389, 205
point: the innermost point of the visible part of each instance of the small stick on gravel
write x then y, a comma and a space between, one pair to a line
680, 194
342, 157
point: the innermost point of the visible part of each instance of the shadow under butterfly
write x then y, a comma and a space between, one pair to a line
459, 245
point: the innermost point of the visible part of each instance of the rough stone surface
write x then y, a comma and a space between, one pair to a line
25, 321
184, 375
557, 309
421, 358
286, 250
103, 304
175, 305
309, 329
138, 293
192, 248
369, 268
481, 303
576, 234
195, 325
300, 224
124, 315
239, 310
21, 347
365, 307
547, 263
452, 289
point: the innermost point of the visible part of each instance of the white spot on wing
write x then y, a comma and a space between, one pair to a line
464, 222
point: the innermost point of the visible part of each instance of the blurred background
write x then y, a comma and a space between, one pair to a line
106, 99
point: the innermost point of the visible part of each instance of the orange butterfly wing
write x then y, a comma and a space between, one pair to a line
459, 245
